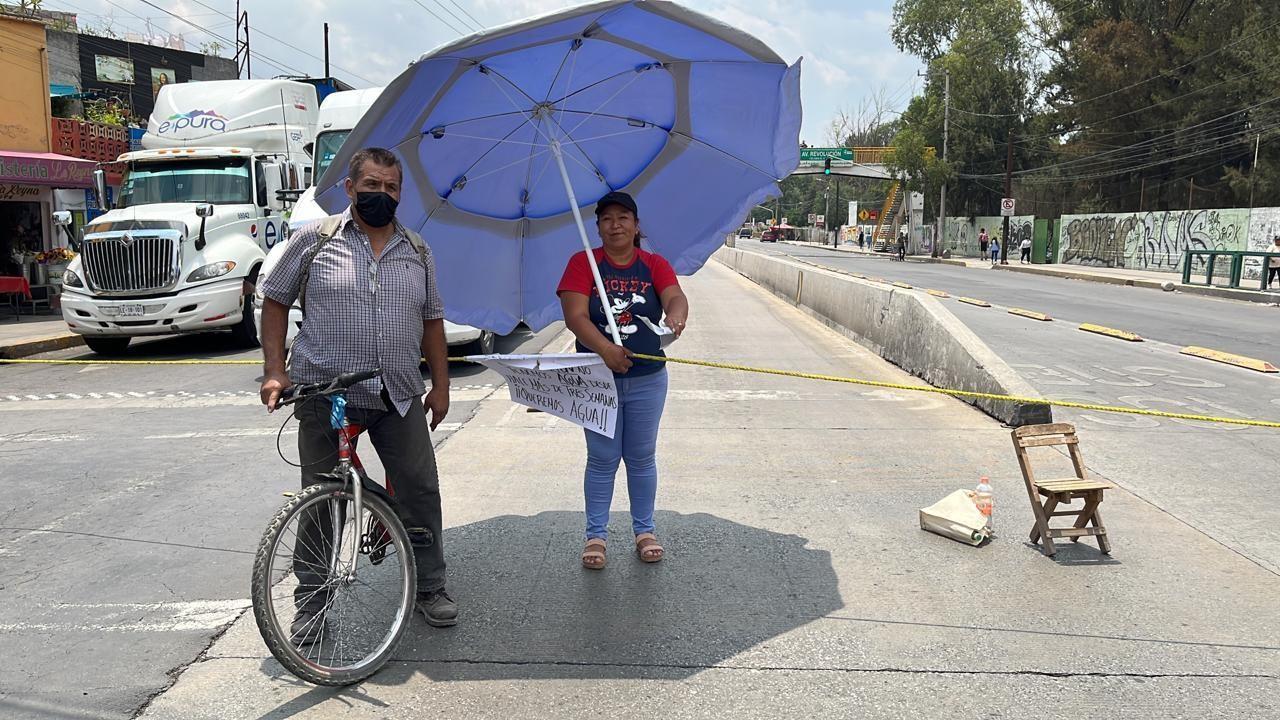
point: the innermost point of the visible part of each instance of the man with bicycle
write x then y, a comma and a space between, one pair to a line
367, 288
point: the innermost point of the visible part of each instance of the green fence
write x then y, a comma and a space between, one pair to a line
1211, 264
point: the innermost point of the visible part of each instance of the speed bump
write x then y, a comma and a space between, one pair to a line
974, 301
938, 293
1030, 314
902, 285
1111, 332
1247, 363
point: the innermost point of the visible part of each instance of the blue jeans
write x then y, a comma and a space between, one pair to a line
635, 439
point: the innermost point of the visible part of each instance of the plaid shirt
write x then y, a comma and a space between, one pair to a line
364, 313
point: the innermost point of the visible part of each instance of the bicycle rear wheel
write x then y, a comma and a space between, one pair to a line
352, 618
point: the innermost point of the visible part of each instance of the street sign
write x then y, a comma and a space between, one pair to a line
1006, 207
840, 157
784, 221
822, 220
812, 218
867, 215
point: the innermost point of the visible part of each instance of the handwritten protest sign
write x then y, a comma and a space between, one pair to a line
577, 387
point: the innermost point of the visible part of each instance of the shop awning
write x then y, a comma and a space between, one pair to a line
50, 169
63, 91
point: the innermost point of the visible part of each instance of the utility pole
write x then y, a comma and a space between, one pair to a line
1142, 192
326, 50
1191, 193
946, 127
826, 195
835, 237
244, 62
1253, 170
1008, 192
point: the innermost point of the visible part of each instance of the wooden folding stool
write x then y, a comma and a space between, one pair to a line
1061, 491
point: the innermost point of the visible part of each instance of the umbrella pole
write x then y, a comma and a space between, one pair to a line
582, 232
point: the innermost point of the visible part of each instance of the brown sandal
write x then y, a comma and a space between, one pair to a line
593, 555
648, 548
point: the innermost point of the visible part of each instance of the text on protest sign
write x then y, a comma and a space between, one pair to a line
577, 387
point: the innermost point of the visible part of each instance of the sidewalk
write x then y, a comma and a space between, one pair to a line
797, 582
1111, 276
35, 334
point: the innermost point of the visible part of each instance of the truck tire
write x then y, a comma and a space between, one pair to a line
244, 333
107, 345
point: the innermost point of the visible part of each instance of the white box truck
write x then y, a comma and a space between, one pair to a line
198, 211
339, 114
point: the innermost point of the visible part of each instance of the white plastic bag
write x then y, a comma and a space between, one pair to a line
956, 517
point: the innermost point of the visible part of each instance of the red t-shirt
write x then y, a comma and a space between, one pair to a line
633, 290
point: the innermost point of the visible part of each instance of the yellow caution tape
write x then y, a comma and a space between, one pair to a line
967, 393
765, 371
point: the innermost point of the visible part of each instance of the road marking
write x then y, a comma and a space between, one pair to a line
938, 293
1111, 332
974, 301
902, 285
1247, 363
37, 437
1029, 314
134, 617
244, 432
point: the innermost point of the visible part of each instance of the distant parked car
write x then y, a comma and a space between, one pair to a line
771, 234
744, 232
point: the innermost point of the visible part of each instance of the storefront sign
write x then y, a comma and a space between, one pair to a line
46, 169
19, 192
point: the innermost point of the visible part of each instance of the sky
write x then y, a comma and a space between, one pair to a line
848, 56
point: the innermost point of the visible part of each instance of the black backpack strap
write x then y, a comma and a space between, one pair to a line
328, 228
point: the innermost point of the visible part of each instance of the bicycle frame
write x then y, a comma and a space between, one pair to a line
351, 470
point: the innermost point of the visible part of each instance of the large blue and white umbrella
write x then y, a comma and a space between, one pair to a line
506, 134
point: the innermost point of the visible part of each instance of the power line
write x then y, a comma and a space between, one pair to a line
269, 36
464, 12
452, 14
437, 17
279, 65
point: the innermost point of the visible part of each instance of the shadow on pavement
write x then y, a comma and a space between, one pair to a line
529, 610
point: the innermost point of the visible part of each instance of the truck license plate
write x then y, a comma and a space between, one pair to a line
131, 311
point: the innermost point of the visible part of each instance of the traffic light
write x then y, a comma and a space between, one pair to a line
826, 168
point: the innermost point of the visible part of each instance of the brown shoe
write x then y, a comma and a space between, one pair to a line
593, 555
648, 548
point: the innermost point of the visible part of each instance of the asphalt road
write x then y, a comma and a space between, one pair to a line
134, 500
1219, 479
1244, 328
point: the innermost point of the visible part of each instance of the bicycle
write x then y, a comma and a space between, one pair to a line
334, 595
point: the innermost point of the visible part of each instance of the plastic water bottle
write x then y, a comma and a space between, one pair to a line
984, 497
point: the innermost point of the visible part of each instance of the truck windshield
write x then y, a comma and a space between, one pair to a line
221, 181
327, 146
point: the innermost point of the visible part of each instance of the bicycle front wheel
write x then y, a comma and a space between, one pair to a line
325, 618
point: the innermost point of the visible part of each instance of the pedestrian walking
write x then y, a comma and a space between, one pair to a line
983, 242
995, 251
859, 238
1273, 265
367, 287
638, 283
1025, 247
862, 237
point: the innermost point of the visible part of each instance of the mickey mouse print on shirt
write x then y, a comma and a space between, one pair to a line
634, 291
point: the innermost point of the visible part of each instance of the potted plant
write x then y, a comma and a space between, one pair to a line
52, 264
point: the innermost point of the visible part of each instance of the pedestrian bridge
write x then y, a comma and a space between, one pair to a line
866, 162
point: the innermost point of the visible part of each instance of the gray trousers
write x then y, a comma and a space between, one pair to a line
404, 446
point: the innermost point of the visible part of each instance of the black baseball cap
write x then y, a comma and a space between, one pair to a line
616, 198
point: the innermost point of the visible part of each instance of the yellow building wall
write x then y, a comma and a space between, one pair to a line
24, 92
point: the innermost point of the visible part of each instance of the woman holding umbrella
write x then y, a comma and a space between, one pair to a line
641, 287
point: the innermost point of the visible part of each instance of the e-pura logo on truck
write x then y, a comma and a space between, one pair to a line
197, 119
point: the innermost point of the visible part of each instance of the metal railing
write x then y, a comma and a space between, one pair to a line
1238, 270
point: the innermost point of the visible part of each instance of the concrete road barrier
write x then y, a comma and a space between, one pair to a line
910, 329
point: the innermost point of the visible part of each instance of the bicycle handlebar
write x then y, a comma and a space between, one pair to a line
344, 381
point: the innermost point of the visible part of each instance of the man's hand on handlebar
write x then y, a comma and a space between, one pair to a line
273, 386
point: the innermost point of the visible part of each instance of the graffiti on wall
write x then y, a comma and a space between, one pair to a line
962, 234
1264, 224
1153, 240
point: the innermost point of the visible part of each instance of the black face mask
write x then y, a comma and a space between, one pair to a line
377, 209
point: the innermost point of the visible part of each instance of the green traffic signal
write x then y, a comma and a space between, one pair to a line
826, 168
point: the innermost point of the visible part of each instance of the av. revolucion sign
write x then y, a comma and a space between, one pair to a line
840, 156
